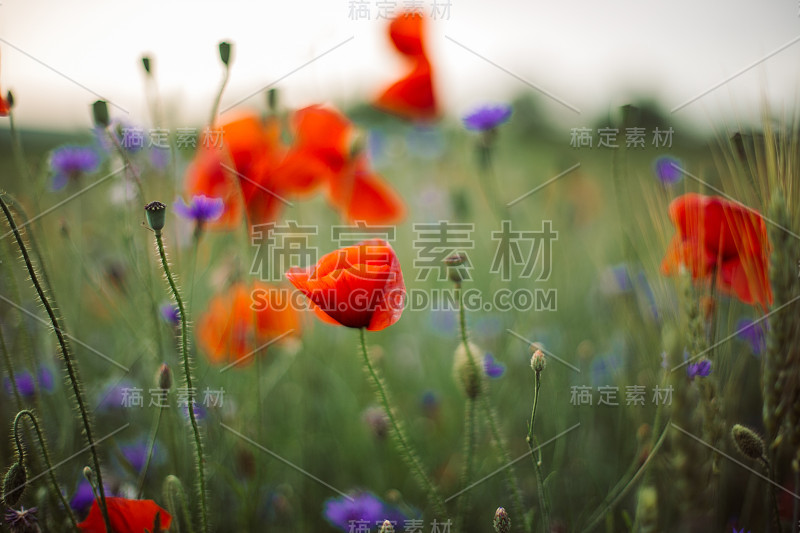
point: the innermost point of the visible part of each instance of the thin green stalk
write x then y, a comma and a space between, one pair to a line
72, 369
544, 507
407, 451
151, 443
10, 369
469, 454
201, 472
46, 456
218, 98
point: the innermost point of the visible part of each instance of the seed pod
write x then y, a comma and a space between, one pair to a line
748, 442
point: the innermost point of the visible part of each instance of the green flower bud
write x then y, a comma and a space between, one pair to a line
146, 64
10, 99
14, 484
748, 442
225, 52
502, 523
156, 214
468, 375
164, 377
272, 99
100, 113
538, 361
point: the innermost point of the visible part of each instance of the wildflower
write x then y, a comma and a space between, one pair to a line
171, 314
753, 333
666, 171
68, 163
126, 516
83, 497
492, 368
25, 384
136, 454
727, 239
358, 286
201, 209
700, 369
243, 318
22, 521
502, 523
412, 97
363, 507
538, 360
487, 117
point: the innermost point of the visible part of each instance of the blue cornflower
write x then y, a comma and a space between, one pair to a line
70, 162
665, 170
171, 314
701, 369
362, 508
201, 209
25, 384
752, 333
136, 453
492, 368
487, 117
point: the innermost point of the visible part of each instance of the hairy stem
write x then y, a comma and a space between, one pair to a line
544, 507
150, 447
10, 369
72, 369
407, 451
198, 444
469, 455
46, 456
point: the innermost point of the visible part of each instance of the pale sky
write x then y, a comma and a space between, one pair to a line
589, 55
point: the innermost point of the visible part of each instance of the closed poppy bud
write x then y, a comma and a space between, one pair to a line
14, 484
748, 442
455, 265
225, 52
502, 523
10, 99
146, 64
100, 113
156, 214
272, 99
164, 377
467, 372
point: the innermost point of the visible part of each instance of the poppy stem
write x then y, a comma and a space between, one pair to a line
469, 453
175, 499
491, 417
398, 431
187, 371
10, 370
45, 456
151, 443
544, 507
72, 369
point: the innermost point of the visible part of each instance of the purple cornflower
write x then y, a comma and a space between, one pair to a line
171, 314
665, 170
201, 209
200, 412
362, 507
487, 117
22, 521
492, 368
116, 396
753, 333
83, 497
25, 384
701, 369
70, 162
45, 378
136, 454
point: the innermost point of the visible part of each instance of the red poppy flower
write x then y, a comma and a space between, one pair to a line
243, 171
242, 319
361, 195
5, 108
413, 96
126, 516
357, 286
716, 236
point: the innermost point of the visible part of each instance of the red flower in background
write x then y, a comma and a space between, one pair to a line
242, 319
716, 236
126, 516
5, 108
254, 172
412, 97
357, 286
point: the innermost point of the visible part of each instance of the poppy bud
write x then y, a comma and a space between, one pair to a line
272, 99
156, 214
88, 474
502, 523
225, 52
100, 113
747, 442
14, 484
468, 373
146, 64
164, 377
538, 362
387, 527
10, 99
454, 263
